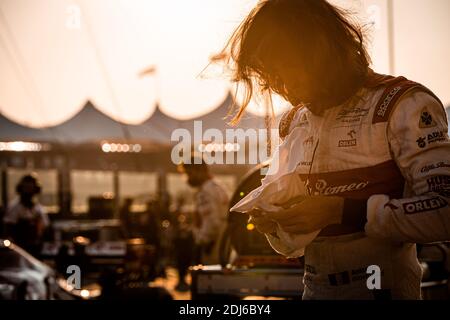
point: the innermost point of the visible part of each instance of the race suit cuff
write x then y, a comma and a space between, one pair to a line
355, 213
379, 220
283, 248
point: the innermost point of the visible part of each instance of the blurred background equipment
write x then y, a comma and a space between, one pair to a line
435, 261
101, 208
23, 277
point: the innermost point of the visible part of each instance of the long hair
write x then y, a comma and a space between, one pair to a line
306, 47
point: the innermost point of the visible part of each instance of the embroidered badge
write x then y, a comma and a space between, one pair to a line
426, 120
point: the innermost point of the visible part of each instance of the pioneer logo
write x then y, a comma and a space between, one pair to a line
322, 187
424, 205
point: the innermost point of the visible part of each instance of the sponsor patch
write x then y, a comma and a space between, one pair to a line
395, 90
347, 143
436, 136
322, 187
352, 116
431, 138
360, 183
359, 274
434, 166
421, 142
346, 277
426, 119
440, 185
303, 121
308, 142
424, 205
384, 106
351, 133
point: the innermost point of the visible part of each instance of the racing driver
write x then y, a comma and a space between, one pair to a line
376, 151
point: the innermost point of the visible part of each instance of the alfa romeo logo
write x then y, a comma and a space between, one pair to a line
321, 185
426, 118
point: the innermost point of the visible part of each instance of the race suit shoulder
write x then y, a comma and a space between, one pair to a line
418, 138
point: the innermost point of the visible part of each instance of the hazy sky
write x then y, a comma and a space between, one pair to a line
56, 54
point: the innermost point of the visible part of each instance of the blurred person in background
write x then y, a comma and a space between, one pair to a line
148, 228
25, 219
164, 218
124, 216
210, 218
184, 242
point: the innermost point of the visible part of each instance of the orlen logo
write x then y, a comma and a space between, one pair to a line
424, 205
323, 188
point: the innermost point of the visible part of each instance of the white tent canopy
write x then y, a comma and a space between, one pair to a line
90, 125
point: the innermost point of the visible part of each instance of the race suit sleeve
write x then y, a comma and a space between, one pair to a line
419, 143
283, 247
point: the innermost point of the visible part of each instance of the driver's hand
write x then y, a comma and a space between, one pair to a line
262, 224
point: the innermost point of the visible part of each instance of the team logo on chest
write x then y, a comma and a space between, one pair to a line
426, 120
348, 142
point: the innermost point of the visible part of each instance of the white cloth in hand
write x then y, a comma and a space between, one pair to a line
281, 188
